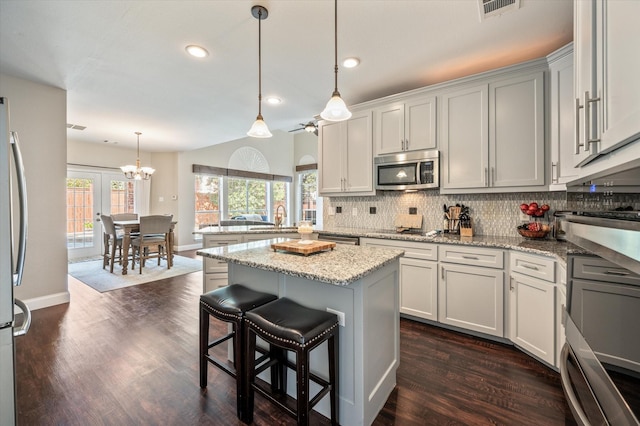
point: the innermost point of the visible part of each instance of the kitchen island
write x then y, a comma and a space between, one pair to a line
360, 284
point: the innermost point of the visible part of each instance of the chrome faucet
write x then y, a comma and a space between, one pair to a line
278, 219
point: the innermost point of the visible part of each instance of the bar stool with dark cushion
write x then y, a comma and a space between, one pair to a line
292, 327
228, 304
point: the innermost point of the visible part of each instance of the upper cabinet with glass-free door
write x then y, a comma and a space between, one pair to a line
607, 66
345, 156
492, 134
408, 125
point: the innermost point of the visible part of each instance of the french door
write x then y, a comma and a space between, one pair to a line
89, 194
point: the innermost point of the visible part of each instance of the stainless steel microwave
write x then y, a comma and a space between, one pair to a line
407, 171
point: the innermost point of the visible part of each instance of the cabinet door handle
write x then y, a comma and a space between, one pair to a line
598, 127
511, 283
554, 176
587, 121
493, 176
442, 272
578, 144
469, 257
406, 144
618, 273
535, 268
486, 176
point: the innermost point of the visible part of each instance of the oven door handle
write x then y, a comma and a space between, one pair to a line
578, 414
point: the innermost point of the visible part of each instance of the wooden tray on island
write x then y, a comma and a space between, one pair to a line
305, 249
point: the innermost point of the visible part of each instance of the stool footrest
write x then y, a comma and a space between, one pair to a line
230, 371
220, 340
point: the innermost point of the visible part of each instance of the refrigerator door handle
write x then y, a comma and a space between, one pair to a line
22, 196
26, 322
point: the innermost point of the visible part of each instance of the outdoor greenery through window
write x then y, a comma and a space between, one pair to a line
222, 198
246, 196
208, 191
122, 196
308, 194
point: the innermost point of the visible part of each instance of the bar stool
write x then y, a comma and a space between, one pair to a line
286, 325
228, 304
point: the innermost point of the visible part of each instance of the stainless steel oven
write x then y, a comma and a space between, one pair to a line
600, 364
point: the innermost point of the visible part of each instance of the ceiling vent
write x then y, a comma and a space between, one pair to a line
489, 8
75, 126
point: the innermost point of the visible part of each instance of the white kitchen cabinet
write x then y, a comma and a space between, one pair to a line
492, 135
561, 114
469, 296
345, 151
607, 66
215, 272
532, 305
247, 238
418, 276
406, 126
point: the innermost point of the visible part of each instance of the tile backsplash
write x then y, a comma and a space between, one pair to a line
492, 214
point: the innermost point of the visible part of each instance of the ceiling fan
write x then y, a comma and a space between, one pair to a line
309, 127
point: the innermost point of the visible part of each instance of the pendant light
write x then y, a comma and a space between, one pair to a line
136, 172
336, 109
259, 128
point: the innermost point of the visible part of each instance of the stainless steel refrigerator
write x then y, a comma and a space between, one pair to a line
13, 240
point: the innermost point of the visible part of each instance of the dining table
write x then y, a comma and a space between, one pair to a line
132, 226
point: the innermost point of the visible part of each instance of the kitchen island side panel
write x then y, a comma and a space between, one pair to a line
369, 341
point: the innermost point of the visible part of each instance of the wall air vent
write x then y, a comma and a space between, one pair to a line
489, 8
75, 126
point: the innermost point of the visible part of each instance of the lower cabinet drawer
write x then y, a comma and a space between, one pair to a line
215, 281
534, 266
214, 266
598, 269
472, 256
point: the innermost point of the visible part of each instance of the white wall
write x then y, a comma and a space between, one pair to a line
102, 157
277, 150
39, 115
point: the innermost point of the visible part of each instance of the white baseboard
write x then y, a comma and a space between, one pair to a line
187, 247
48, 300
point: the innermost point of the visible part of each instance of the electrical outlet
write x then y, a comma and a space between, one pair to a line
372, 210
339, 314
413, 210
354, 211
338, 209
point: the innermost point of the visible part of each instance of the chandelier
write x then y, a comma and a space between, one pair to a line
136, 172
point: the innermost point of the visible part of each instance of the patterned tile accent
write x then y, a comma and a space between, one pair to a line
492, 214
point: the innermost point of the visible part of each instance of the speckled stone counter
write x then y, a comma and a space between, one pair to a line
340, 266
546, 247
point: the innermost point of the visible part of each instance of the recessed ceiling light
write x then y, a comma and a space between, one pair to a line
197, 51
351, 62
273, 100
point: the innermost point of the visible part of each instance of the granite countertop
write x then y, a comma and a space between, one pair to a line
545, 247
245, 229
343, 265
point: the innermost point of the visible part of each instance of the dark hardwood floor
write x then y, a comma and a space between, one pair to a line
130, 357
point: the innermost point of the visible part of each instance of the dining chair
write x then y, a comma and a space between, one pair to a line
153, 241
112, 243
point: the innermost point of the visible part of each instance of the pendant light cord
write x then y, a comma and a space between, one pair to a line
260, 63
335, 41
